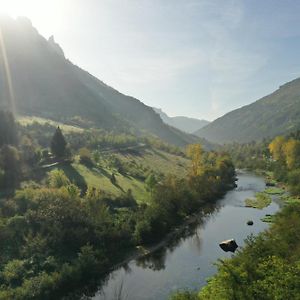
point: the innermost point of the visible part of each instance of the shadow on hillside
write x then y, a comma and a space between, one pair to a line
99, 170
160, 154
119, 187
74, 177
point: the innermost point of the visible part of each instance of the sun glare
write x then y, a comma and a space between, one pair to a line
45, 14
16, 8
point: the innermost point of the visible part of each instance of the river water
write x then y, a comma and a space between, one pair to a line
188, 261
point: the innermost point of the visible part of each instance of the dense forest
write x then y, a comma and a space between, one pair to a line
59, 234
268, 266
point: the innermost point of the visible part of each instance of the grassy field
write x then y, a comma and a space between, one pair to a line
99, 176
85, 177
144, 160
26, 120
159, 161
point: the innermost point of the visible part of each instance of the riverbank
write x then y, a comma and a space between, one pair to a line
262, 270
184, 259
143, 251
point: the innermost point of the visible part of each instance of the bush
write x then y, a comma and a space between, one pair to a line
58, 179
85, 156
294, 181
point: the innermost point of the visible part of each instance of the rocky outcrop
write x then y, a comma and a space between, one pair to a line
228, 245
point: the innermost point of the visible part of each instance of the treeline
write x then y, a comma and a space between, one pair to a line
251, 156
211, 174
96, 139
286, 161
281, 156
268, 267
56, 238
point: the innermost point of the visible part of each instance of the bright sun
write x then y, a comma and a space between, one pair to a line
16, 8
45, 14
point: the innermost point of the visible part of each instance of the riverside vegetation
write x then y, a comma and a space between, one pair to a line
268, 267
74, 204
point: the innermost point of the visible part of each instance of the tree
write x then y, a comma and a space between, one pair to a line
294, 181
113, 179
8, 129
151, 182
58, 144
58, 179
96, 156
292, 153
10, 162
276, 148
195, 153
85, 156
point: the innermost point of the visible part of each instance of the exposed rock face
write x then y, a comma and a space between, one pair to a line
228, 245
56, 47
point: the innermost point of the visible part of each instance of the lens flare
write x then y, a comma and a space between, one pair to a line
4, 58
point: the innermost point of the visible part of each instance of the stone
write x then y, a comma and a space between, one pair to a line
228, 245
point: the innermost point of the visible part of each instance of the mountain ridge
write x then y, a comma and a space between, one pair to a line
183, 123
275, 114
46, 84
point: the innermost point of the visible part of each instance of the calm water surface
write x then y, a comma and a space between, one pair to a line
188, 261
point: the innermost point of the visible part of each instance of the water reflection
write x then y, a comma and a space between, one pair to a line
186, 260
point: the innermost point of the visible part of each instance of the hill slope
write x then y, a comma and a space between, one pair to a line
45, 84
189, 125
275, 114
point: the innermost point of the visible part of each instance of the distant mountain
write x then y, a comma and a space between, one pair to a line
275, 114
36, 79
189, 125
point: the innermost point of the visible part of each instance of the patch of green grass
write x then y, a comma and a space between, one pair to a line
274, 191
99, 178
146, 160
290, 199
260, 201
160, 162
268, 219
26, 120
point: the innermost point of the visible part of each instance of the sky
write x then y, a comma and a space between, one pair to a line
197, 58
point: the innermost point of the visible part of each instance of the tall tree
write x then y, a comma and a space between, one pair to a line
58, 144
276, 148
292, 153
8, 129
195, 153
10, 162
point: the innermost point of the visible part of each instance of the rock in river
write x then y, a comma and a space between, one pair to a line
250, 222
228, 245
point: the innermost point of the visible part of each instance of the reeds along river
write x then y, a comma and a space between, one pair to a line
188, 260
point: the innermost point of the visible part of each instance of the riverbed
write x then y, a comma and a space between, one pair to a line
187, 261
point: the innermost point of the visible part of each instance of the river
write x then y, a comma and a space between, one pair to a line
188, 261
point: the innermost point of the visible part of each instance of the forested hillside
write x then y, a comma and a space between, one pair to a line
275, 114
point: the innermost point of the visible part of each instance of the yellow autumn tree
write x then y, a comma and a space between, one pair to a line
195, 153
291, 151
276, 148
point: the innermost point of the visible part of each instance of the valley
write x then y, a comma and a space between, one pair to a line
104, 196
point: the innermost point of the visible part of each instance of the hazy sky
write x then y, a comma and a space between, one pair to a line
199, 58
